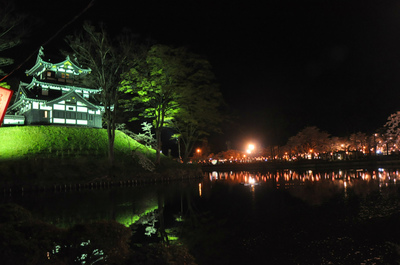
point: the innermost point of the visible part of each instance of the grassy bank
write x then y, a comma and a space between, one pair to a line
58, 141
37, 155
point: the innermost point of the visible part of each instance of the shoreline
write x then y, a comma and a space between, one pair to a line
43, 174
315, 164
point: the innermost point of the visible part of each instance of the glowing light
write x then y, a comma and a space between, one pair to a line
252, 180
200, 189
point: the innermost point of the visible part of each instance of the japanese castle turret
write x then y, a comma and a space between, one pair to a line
56, 95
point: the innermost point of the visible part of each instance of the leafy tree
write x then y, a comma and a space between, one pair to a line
153, 82
147, 137
176, 88
199, 101
106, 57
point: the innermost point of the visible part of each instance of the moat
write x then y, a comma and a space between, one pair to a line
280, 217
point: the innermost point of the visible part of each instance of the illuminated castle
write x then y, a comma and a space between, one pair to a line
56, 95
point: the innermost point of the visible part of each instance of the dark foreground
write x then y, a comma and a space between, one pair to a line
286, 230
336, 217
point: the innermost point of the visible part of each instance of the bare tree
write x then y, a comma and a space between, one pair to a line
106, 57
11, 31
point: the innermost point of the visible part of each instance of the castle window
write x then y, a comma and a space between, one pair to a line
70, 115
64, 75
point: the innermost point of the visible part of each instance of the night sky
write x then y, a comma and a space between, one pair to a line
281, 65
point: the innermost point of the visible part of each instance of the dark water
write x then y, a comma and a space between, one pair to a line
285, 217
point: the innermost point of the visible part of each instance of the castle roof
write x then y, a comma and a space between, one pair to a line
23, 96
57, 86
65, 66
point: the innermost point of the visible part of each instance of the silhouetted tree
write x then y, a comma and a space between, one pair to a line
107, 57
310, 139
11, 31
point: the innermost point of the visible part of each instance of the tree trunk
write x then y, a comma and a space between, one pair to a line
158, 148
179, 149
111, 137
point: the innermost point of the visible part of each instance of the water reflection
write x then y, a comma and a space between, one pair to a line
282, 217
315, 186
385, 176
307, 217
67, 208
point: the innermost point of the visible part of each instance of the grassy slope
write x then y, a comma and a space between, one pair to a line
50, 154
58, 141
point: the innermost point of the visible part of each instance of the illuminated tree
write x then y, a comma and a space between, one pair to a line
199, 103
393, 125
359, 142
175, 88
107, 57
154, 84
309, 140
392, 134
230, 154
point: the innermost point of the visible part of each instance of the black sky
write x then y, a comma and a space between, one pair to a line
282, 65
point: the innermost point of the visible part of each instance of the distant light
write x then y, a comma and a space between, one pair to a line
251, 180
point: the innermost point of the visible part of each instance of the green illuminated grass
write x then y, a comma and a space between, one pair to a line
57, 141
42, 155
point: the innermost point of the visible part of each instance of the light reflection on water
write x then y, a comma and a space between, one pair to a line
307, 217
282, 217
385, 176
315, 186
